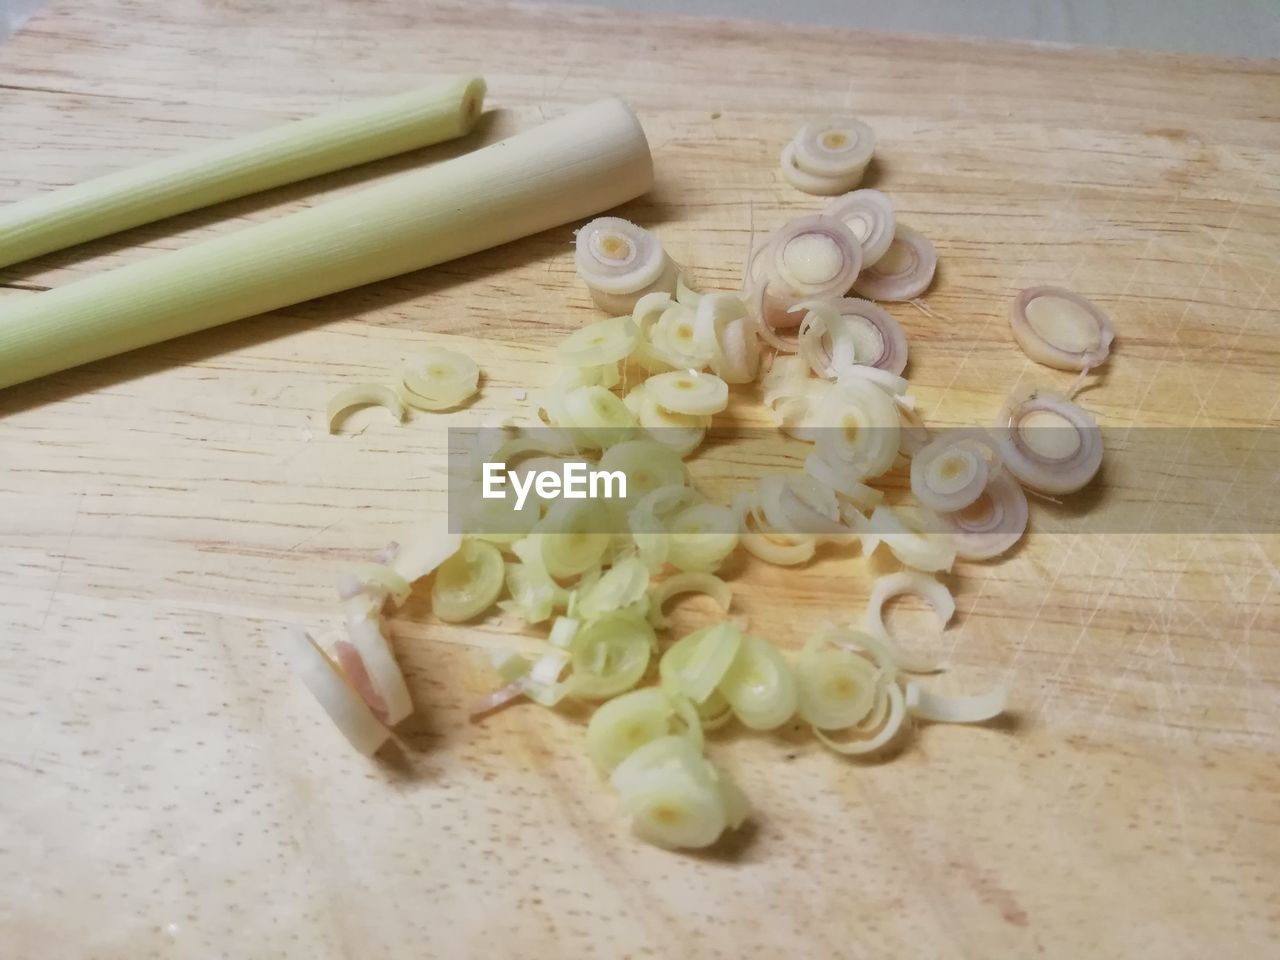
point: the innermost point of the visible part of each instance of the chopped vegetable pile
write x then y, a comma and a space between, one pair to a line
597, 575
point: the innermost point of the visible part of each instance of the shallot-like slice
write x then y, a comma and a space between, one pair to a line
904, 272
950, 472
869, 214
1060, 328
993, 523
1049, 443
620, 262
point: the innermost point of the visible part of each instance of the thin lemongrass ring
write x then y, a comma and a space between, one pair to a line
469, 582
859, 427
622, 725
689, 392
940, 708
610, 656
1049, 443
816, 256
331, 687
605, 341
877, 338
1060, 328
837, 688
835, 147
647, 464
363, 395
950, 472
888, 727
760, 685
695, 582
993, 523
812, 183
904, 272
617, 256
902, 583
842, 482
439, 378
912, 433
906, 537
869, 215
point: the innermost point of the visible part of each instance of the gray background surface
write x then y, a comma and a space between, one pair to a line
1233, 27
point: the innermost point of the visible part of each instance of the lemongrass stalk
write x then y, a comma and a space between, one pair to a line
569, 168
354, 134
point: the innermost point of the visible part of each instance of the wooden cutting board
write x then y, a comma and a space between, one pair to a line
168, 789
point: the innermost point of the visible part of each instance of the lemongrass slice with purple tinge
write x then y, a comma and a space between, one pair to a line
816, 256
850, 332
904, 272
991, 524
620, 262
1049, 443
950, 472
869, 214
828, 157
1060, 328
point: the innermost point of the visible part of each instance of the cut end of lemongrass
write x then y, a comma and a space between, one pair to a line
620, 262
439, 379
1061, 329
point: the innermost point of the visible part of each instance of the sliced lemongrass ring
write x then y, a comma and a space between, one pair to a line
834, 147
902, 583
887, 654
682, 432
912, 434
363, 395
859, 428
816, 256
771, 546
939, 708
904, 272
694, 665
701, 536
993, 523
836, 688
951, 471
685, 293
647, 465
610, 656
911, 536
873, 736
616, 256
869, 215
469, 582
695, 582
1049, 443
724, 331
605, 341
390, 699
625, 724
1060, 328
689, 392
760, 685
812, 183
329, 685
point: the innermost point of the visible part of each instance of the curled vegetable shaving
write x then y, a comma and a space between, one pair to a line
760, 686
621, 262
675, 797
1049, 443
977, 708
362, 395
762, 540
707, 583
950, 472
727, 334
904, 533
1061, 329
837, 337
899, 584
828, 157
869, 215
904, 272
468, 583
438, 380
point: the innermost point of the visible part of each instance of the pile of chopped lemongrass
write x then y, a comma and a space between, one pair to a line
595, 577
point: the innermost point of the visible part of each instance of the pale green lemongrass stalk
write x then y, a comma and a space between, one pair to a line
569, 168
354, 134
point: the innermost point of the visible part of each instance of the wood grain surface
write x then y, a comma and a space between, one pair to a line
167, 789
